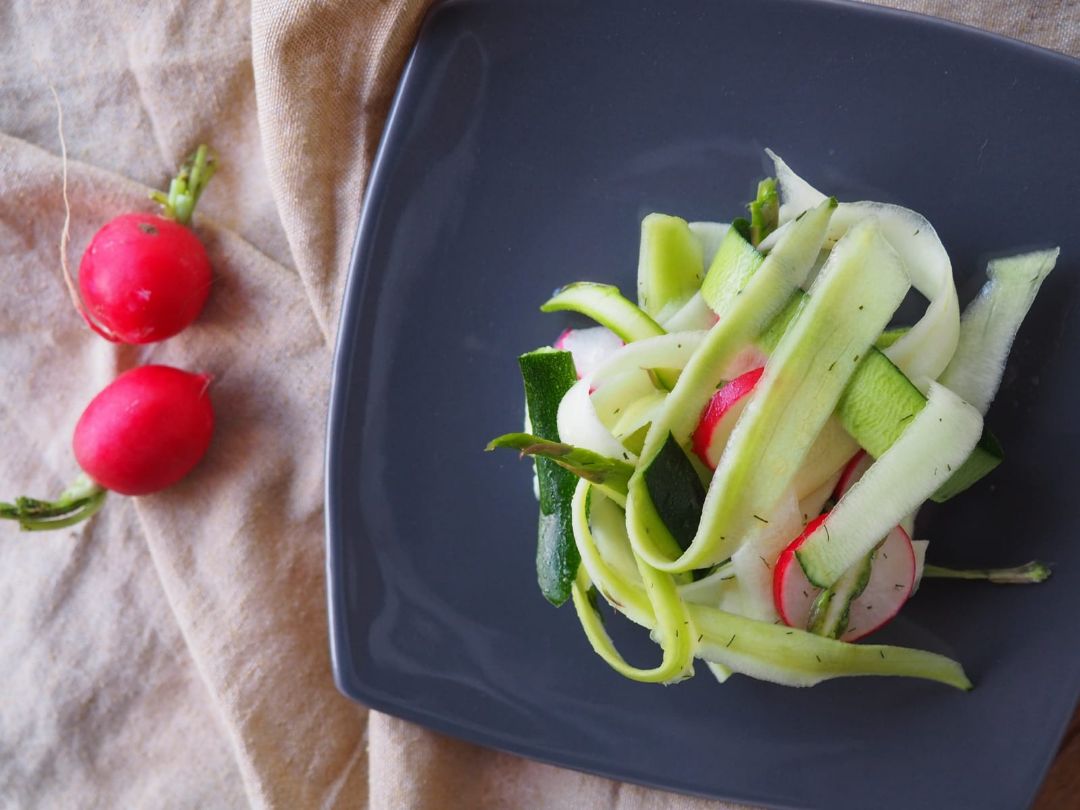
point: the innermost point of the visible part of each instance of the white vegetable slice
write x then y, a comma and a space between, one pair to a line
867, 596
720, 416
625, 595
937, 441
925, 351
796, 395
919, 547
791, 657
580, 426
670, 265
811, 505
719, 671
990, 322
694, 314
754, 561
589, 347
672, 350
766, 293
610, 399
608, 525
672, 627
709, 236
718, 589
827, 456
892, 581
767, 651
637, 414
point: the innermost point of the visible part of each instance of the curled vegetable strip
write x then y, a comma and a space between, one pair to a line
694, 314
990, 322
608, 524
790, 657
718, 589
624, 593
762, 298
637, 414
759, 649
580, 426
605, 305
925, 351
752, 563
612, 399
670, 265
671, 351
709, 236
938, 440
791, 403
828, 455
672, 622
798, 391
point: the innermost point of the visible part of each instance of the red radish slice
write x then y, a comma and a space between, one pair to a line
589, 347
853, 471
892, 579
720, 416
792, 592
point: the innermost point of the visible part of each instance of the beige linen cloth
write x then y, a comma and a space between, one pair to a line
173, 653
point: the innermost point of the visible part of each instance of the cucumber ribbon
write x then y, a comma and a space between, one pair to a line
806, 287
990, 322
926, 349
770, 652
802, 382
940, 437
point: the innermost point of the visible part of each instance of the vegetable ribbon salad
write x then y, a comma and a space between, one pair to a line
735, 462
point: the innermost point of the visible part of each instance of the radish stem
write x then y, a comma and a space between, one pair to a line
188, 185
1026, 574
76, 503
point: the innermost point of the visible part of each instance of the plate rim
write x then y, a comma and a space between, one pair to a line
346, 679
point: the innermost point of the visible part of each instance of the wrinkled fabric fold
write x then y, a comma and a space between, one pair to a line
173, 651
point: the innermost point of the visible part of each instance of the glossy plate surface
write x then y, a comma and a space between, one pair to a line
527, 141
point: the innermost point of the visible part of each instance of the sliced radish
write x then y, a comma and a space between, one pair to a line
853, 471
792, 592
590, 347
892, 578
720, 417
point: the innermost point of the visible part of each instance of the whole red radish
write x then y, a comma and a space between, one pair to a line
143, 432
144, 277
146, 430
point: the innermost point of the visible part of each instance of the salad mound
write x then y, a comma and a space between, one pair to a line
735, 461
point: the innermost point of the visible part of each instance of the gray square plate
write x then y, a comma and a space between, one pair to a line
526, 142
